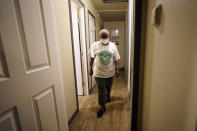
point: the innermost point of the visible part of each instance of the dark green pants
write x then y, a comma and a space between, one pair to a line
104, 88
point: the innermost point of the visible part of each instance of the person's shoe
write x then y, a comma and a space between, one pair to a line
100, 112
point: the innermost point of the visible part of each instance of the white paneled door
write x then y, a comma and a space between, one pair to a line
31, 90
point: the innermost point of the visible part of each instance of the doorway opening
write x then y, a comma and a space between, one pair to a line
79, 46
129, 63
92, 39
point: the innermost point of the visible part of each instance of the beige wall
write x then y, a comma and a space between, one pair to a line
99, 22
90, 6
64, 34
121, 47
170, 81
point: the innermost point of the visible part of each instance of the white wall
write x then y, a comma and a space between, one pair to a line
121, 47
170, 81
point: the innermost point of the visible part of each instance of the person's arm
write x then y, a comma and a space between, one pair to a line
91, 64
91, 57
117, 63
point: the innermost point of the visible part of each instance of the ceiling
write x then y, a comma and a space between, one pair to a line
107, 1
113, 15
111, 11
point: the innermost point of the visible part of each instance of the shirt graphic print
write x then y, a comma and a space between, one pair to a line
105, 57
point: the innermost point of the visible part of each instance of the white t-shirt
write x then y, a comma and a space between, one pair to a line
104, 55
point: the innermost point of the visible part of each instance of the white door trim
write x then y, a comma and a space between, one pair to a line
90, 15
82, 26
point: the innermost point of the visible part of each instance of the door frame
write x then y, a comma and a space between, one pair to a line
90, 13
138, 61
80, 50
74, 64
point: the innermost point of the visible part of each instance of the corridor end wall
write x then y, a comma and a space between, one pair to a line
121, 47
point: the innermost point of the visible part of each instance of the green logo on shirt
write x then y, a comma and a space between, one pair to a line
105, 57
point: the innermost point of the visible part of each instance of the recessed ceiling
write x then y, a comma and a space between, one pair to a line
100, 5
114, 1
111, 11
113, 15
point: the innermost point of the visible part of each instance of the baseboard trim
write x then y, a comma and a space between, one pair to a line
72, 117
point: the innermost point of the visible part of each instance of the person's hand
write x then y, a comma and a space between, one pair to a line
117, 74
91, 72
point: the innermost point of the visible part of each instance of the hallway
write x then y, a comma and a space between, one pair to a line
49, 50
116, 117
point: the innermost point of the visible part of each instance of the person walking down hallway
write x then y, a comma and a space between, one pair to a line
106, 57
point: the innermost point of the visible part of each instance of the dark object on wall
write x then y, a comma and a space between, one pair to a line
122, 69
116, 42
156, 16
101, 27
